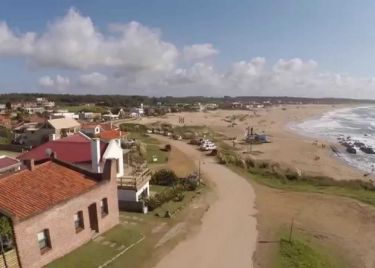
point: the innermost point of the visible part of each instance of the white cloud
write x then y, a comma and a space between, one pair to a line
93, 80
73, 42
137, 60
199, 52
59, 82
15, 45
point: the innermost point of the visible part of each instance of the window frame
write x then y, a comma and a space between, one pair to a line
79, 223
104, 207
46, 241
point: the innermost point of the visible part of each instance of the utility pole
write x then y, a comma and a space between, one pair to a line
291, 230
199, 170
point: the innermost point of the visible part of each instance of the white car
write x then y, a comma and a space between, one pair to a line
208, 147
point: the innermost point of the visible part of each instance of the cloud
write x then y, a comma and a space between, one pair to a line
132, 58
73, 42
93, 80
198, 52
15, 45
59, 82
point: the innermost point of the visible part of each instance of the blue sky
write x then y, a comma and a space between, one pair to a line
337, 35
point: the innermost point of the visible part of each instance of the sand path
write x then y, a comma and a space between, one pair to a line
228, 235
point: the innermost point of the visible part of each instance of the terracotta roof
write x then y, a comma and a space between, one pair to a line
26, 193
73, 149
89, 126
108, 126
110, 135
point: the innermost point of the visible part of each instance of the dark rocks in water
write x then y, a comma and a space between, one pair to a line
359, 144
367, 150
351, 150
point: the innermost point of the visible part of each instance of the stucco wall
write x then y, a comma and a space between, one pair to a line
132, 195
59, 221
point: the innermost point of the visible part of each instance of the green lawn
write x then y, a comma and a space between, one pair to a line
97, 252
301, 253
143, 138
157, 188
154, 150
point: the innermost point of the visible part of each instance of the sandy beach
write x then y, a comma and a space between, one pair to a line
341, 224
288, 148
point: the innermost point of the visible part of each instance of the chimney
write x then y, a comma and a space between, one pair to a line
29, 163
109, 170
52, 137
95, 155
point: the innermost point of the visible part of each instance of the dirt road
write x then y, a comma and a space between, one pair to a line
228, 235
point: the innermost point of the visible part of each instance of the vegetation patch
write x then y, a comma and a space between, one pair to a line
300, 253
270, 174
133, 128
5, 135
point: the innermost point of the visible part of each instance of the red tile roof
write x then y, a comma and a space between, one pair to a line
89, 126
6, 161
110, 135
26, 193
73, 149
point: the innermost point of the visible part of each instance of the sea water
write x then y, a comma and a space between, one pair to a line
357, 123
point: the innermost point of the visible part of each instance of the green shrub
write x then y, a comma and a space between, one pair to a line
175, 193
165, 177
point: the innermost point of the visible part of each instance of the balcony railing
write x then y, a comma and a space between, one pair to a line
134, 181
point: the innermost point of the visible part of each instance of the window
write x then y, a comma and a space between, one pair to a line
78, 221
104, 207
118, 166
44, 241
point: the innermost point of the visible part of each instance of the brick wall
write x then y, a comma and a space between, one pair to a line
59, 221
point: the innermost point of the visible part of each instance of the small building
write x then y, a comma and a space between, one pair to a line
55, 208
64, 115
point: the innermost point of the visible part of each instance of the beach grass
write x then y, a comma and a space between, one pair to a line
301, 253
352, 189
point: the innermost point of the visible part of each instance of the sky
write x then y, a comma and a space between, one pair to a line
320, 48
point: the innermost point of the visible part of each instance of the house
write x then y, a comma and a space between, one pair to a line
80, 150
137, 111
91, 154
9, 164
62, 127
34, 134
55, 208
64, 115
24, 133
91, 130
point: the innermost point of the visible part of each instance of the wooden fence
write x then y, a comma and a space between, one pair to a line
11, 260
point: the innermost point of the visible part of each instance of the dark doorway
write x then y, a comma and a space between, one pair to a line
93, 216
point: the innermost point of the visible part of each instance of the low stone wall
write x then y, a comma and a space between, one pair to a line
132, 206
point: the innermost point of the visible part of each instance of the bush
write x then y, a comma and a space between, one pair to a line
165, 177
175, 193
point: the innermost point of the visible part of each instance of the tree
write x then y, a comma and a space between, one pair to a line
164, 177
8, 105
5, 234
5, 227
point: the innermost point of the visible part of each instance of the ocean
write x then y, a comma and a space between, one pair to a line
350, 125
